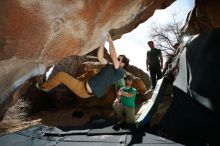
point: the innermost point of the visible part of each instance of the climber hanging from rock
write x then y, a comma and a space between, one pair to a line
99, 83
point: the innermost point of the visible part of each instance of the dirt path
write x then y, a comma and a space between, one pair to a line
17, 118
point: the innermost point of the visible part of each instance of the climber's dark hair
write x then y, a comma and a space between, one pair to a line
125, 61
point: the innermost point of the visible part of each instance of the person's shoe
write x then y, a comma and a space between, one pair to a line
134, 127
116, 127
77, 114
130, 126
38, 86
125, 126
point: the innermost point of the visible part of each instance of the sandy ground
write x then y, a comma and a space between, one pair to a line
17, 119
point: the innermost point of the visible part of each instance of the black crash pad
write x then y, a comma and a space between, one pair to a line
108, 131
35, 136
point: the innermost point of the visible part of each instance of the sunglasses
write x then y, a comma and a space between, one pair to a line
120, 60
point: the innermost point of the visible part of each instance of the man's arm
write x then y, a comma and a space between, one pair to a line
119, 94
129, 94
126, 94
100, 55
147, 63
161, 61
113, 53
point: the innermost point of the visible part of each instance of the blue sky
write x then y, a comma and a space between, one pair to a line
134, 44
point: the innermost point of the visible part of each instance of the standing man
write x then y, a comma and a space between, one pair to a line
154, 63
99, 83
124, 105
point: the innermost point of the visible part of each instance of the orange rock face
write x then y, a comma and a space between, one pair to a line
55, 29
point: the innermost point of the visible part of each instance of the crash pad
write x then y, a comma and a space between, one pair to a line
149, 107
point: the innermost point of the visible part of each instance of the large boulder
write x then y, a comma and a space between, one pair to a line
55, 29
77, 66
35, 34
205, 16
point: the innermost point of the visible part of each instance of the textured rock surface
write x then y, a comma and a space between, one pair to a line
35, 33
13, 73
55, 29
205, 16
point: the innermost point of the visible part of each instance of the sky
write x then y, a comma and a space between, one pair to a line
134, 44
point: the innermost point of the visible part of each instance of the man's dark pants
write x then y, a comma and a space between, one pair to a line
155, 74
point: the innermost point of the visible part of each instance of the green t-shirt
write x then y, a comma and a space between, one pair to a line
128, 101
